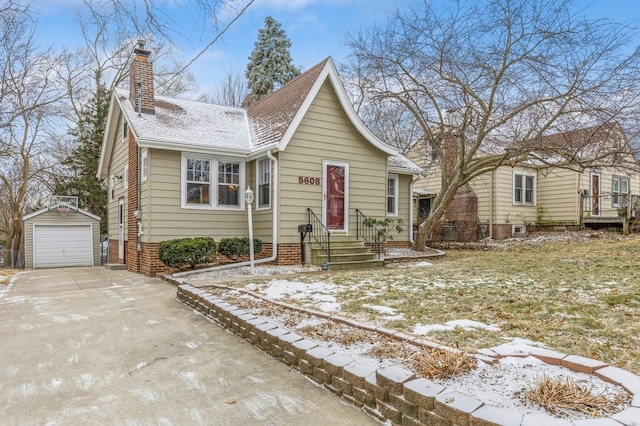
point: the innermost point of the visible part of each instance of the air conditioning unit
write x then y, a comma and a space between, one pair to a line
518, 230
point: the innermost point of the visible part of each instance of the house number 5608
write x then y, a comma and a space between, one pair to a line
308, 180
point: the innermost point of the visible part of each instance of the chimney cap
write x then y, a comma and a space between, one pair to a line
140, 50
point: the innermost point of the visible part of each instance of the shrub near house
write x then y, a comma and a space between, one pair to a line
187, 251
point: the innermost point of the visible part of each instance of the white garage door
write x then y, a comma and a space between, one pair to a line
62, 245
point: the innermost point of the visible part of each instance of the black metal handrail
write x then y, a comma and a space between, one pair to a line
320, 233
368, 231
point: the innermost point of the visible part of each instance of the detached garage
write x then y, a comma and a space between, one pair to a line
61, 235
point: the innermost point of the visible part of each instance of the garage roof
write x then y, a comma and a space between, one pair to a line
53, 208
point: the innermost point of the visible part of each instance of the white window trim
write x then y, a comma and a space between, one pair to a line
125, 176
326, 163
213, 183
268, 205
144, 168
524, 196
395, 190
620, 193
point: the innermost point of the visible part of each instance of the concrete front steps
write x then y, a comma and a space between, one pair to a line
346, 254
115, 266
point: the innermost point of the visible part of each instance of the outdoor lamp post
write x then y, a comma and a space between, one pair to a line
248, 198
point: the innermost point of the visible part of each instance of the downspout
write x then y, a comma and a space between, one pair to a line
274, 245
493, 194
412, 207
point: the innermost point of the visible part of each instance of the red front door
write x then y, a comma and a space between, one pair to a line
335, 177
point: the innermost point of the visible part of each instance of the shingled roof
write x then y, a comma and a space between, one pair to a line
270, 117
196, 126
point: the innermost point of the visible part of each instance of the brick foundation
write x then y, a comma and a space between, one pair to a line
113, 251
288, 254
150, 265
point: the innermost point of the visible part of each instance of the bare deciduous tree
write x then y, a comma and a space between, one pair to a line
30, 98
231, 91
481, 77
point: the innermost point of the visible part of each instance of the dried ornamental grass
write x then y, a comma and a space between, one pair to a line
557, 394
391, 349
442, 363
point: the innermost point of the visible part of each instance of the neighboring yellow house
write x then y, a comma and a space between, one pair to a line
531, 196
178, 168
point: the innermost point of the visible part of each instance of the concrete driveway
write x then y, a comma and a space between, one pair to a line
92, 346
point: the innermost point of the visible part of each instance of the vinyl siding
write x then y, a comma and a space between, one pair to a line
167, 220
326, 133
119, 158
507, 212
482, 188
558, 198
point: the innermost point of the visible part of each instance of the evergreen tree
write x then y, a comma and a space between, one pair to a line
82, 164
270, 63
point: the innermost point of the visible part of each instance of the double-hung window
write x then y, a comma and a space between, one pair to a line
523, 189
619, 191
198, 182
392, 195
229, 184
209, 182
264, 183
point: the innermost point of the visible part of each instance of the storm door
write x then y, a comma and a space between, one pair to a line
335, 195
595, 194
121, 230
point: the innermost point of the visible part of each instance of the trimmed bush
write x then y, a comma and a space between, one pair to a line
187, 251
236, 247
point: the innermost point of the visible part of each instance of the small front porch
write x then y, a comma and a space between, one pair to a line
609, 211
336, 250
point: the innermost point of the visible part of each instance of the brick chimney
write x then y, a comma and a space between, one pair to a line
141, 81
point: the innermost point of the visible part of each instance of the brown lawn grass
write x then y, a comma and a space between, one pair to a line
580, 296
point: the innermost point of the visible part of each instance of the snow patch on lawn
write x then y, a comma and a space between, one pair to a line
466, 324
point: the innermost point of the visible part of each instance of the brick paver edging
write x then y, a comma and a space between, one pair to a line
395, 394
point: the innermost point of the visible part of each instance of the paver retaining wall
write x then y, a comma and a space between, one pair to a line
394, 394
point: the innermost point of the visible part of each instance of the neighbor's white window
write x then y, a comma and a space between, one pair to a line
619, 191
264, 183
524, 188
202, 187
392, 195
144, 165
125, 176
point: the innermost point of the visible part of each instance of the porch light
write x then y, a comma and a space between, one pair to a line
248, 198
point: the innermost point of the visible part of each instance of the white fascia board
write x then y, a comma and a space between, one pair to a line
331, 72
177, 146
262, 152
46, 209
402, 171
107, 140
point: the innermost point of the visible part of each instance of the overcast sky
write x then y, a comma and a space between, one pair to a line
316, 28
